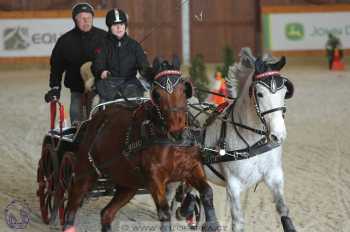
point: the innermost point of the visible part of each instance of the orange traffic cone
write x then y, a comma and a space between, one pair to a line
221, 89
65, 123
337, 64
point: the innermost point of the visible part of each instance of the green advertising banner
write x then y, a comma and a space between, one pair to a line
304, 31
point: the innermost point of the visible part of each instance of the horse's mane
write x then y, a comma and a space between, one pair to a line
239, 74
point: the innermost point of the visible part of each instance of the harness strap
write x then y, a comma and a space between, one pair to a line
257, 131
222, 142
236, 129
200, 111
218, 174
215, 93
282, 108
258, 148
91, 159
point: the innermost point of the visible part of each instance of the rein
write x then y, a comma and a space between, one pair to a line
216, 116
215, 93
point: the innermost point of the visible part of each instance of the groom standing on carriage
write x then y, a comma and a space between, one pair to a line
74, 48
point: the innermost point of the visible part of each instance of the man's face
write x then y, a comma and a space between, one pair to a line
84, 21
118, 30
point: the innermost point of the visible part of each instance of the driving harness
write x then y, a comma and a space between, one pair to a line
271, 80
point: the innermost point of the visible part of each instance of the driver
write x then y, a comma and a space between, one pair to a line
116, 66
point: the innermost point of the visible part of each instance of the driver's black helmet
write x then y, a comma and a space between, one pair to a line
116, 16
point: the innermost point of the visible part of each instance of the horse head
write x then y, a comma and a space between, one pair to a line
269, 89
169, 94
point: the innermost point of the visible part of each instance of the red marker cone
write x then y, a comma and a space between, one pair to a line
337, 64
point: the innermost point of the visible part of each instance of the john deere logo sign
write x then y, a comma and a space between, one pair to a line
16, 38
294, 31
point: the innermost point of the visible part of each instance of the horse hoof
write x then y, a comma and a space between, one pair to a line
53, 217
70, 229
106, 228
287, 224
211, 227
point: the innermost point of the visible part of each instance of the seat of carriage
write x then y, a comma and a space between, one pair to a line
69, 134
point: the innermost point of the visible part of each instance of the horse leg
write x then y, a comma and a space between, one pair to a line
120, 198
158, 192
234, 192
275, 182
171, 190
199, 182
76, 195
171, 196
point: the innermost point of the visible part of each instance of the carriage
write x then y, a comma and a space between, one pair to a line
56, 164
218, 143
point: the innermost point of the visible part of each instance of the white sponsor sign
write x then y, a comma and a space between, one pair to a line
305, 31
34, 37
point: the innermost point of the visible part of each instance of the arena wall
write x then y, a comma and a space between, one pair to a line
213, 24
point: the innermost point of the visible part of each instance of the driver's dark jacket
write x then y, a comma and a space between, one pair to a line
73, 49
122, 58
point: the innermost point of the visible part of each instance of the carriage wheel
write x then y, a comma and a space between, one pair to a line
66, 176
45, 179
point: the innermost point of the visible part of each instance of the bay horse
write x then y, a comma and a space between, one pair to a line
245, 139
144, 148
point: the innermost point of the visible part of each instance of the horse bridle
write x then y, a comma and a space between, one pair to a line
258, 80
261, 146
168, 85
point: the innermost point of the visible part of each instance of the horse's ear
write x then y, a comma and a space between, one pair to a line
188, 89
176, 62
157, 64
165, 65
260, 65
279, 64
290, 88
147, 73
